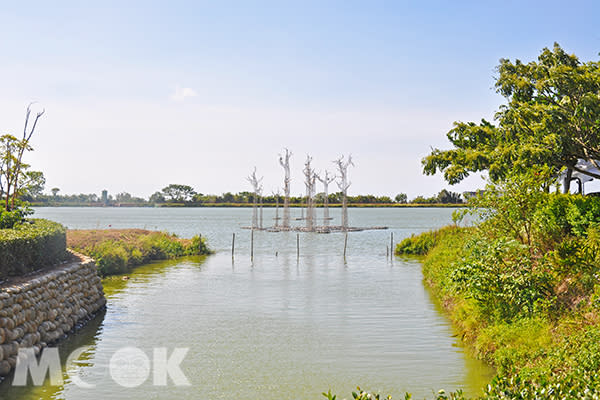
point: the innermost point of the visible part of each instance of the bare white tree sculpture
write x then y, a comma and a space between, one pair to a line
326, 180
260, 197
309, 181
344, 184
285, 163
276, 195
257, 187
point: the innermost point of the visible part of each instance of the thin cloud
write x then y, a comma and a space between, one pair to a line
181, 93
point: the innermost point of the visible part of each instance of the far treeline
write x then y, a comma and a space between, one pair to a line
185, 195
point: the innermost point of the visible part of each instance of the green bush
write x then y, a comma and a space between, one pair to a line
30, 246
564, 214
499, 275
111, 258
8, 219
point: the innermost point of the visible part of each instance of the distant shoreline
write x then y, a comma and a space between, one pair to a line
247, 205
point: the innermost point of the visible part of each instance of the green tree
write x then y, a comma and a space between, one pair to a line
123, 197
401, 198
32, 184
15, 178
227, 197
551, 118
54, 191
424, 200
178, 193
448, 197
157, 197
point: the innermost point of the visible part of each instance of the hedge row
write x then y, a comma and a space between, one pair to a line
33, 245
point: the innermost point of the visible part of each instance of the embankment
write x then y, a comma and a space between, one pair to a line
40, 309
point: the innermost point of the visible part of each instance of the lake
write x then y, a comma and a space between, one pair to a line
277, 326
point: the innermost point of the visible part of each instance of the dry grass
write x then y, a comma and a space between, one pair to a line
82, 238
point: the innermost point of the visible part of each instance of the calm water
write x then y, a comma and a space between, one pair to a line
275, 328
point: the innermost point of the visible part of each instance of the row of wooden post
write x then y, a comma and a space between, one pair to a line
389, 251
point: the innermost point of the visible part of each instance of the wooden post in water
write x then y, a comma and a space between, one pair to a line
345, 244
392, 245
297, 245
233, 245
387, 251
252, 244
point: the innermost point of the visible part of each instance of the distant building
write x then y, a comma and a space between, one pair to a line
105, 196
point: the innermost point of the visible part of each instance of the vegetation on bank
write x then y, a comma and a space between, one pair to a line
419, 245
361, 394
31, 245
116, 251
523, 287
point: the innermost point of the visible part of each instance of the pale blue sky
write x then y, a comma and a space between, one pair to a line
152, 93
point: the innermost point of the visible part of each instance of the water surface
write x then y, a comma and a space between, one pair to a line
276, 326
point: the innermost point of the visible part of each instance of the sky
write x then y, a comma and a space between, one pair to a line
139, 95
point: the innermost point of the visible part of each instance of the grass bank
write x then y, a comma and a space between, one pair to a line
116, 251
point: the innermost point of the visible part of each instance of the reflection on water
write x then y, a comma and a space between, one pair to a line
275, 327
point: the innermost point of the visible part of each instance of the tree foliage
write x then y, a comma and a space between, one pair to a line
15, 178
551, 117
178, 193
401, 198
443, 197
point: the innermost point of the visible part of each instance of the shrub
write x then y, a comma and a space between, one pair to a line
30, 246
499, 275
564, 214
422, 243
8, 219
111, 258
